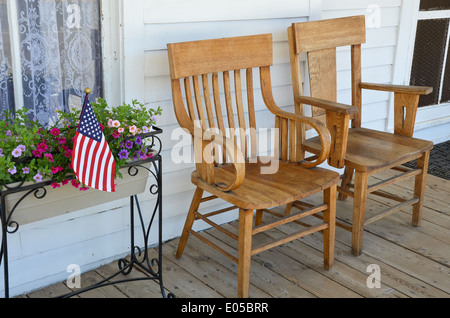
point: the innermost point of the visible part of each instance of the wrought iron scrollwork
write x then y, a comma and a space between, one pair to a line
139, 255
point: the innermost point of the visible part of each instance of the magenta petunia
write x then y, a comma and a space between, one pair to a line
49, 156
55, 132
116, 134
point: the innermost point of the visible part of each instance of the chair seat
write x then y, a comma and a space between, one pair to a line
289, 183
368, 150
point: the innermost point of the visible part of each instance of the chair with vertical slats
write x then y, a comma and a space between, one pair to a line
368, 151
204, 75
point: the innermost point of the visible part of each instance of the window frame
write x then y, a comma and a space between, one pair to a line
110, 21
427, 116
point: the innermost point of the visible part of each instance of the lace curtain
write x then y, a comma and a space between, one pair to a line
60, 55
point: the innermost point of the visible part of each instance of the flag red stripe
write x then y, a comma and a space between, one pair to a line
86, 168
105, 171
80, 146
74, 152
97, 179
94, 157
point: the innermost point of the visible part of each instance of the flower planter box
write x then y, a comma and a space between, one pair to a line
67, 198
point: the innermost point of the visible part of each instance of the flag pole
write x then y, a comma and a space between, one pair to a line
87, 91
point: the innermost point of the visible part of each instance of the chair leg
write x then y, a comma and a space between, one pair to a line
258, 217
245, 249
189, 221
419, 188
329, 216
348, 176
359, 207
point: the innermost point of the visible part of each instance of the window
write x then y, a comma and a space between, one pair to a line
431, 59
50, 51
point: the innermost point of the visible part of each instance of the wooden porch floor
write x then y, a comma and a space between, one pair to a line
414, 262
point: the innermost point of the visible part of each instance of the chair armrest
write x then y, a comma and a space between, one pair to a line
328, 105
204, 154
338, 118
403, 89
406, 101
318, 126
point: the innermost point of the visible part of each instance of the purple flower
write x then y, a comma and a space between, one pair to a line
38, 177
123, 154
142, 155
26, 170
21, 147
144, 129
1, 153
128, 144
12, 170
8, 133
154, 118
17, 153
138, 141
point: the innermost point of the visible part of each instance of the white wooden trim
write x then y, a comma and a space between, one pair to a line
426, 116
429, 15
111, 51
445, 63
315, 10
178, 11
15, 53
133, 73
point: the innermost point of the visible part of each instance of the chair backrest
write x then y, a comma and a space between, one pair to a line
319, 39
212, 61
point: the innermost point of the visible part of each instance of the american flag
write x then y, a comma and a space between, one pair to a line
92, 159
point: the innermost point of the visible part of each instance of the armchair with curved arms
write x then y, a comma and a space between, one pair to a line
227, 165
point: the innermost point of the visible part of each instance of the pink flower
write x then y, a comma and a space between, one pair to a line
110, 121
65, 182
116, 134
57, 169
62, 140
133, 129
42, 147
55, 185
49, 156
68, 153
55, 132
116, 123
37, 153
121, 130
75, 183
84, 188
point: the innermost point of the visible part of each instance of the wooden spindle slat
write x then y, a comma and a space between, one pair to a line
198, 101
240, 111
251, 113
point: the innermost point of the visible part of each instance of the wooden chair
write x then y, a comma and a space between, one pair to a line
228, 167
368, 152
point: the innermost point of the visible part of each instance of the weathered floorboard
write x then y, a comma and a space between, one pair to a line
414, 261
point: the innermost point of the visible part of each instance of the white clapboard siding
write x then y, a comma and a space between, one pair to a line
40, 252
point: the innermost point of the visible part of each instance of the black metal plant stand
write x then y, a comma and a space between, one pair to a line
140, 257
